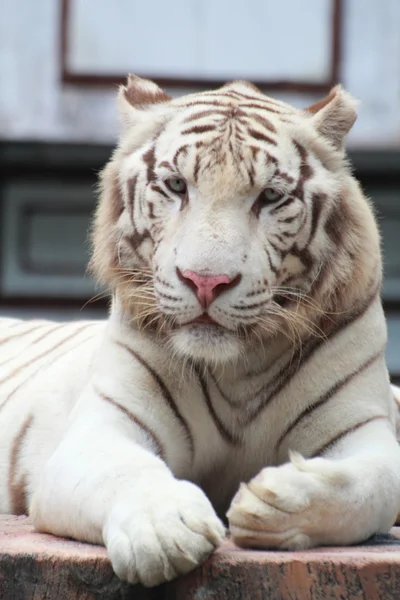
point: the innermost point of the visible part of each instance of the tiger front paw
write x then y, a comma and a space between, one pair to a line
298, 505
152, 537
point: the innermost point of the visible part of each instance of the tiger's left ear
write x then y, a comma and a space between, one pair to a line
138, 96
334, 115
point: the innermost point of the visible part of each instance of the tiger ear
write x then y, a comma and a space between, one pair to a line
334, 115
137, 96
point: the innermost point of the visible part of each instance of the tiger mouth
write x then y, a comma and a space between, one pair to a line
205, 323
204, 319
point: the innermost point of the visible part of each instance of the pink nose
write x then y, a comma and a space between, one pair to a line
207, 287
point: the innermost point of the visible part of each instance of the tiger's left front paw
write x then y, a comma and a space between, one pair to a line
295, 506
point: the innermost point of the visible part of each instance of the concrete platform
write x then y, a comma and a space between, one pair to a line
42, 567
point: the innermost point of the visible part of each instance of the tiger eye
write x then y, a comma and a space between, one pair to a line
271, 195
177, 185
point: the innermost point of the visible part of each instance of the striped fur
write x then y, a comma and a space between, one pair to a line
245, 343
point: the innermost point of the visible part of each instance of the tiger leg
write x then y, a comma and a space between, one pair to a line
104, 486
342, 498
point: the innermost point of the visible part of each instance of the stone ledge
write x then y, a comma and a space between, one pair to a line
36, 566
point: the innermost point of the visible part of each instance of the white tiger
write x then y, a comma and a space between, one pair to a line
245, 343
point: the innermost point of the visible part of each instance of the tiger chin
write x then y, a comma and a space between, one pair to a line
241, 370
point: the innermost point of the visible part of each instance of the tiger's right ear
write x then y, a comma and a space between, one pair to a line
138, 96
334, 115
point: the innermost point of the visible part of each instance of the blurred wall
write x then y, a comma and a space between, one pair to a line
35, 104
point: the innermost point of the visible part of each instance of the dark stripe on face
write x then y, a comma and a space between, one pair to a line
263, 99
251, 172
196, 168
254, 151
272, 267
166, 394
181, 150
149, 432
262, 121
288, 220
166, 165
339, 437
302, 355
337, 387
318, 201
159, 190
204, 113
17, 488
257, 105
286, 202
149, 159
229, 437
306, 171
136, 239
169, 297
304, 256
284, 176
337, 222
163, 282
276, 248
201, 104
261, 137
198, 129
248, 306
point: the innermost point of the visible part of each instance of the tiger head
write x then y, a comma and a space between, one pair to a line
227, 217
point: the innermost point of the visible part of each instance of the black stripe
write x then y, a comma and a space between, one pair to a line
205, 113
261, 136
272, 267
159, 190
48, 351
229, 437
20, 333
276, 248
333, 390
286, 202
149, 159
198, 129
182, 149
343, 434
266, 107
196, 168
300, 358
156, 442
262, 121
226, 398
17, 489
164, 390
318, 201
42, 354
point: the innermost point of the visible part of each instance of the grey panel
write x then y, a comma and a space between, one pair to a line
387, 203
44, 241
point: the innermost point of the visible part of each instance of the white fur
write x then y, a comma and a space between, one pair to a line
144, 458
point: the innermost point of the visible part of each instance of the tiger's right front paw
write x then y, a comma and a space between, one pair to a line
152, 537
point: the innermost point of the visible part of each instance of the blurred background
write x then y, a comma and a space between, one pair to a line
61, 62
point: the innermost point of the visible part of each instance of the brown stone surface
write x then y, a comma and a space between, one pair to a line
366, 572
36, 566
